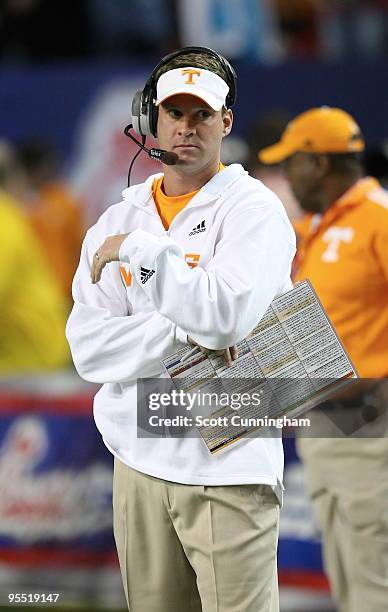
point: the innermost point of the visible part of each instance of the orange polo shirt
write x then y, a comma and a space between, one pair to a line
344, 253
56, 218
169, 206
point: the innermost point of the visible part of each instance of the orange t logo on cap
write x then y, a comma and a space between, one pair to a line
190, 75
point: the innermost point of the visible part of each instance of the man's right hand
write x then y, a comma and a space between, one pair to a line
229, 354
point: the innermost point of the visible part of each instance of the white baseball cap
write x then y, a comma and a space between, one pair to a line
194, 81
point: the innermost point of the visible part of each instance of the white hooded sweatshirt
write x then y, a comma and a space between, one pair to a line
212, 275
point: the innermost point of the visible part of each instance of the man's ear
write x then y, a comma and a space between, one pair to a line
322, 164
227, 120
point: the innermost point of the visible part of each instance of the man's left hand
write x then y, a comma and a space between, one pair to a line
107, 252
229, 354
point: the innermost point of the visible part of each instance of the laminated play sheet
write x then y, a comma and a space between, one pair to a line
291, 361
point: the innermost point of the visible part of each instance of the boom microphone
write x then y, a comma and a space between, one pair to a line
166, 157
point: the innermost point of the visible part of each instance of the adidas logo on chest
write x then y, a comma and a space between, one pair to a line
201, 227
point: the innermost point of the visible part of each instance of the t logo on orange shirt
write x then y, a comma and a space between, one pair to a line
190, 75
334, 236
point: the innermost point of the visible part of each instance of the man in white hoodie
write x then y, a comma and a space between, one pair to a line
195, 254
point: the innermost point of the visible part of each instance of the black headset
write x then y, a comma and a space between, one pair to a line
144, 111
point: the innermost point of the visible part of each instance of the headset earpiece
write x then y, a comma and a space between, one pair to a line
143, 112
136, 112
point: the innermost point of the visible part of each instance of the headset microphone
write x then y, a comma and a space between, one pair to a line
166, 157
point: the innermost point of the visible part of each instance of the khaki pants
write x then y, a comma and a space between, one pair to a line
348, 484
186, 548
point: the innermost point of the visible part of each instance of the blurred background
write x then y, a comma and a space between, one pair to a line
68, 72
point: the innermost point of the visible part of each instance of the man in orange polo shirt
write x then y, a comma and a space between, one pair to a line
343, 250
54, 213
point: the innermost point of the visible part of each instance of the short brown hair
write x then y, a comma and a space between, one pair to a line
197, 60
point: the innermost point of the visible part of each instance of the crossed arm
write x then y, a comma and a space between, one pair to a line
213, 307
108, 252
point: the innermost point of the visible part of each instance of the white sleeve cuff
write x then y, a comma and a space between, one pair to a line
140, 241
134, 241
